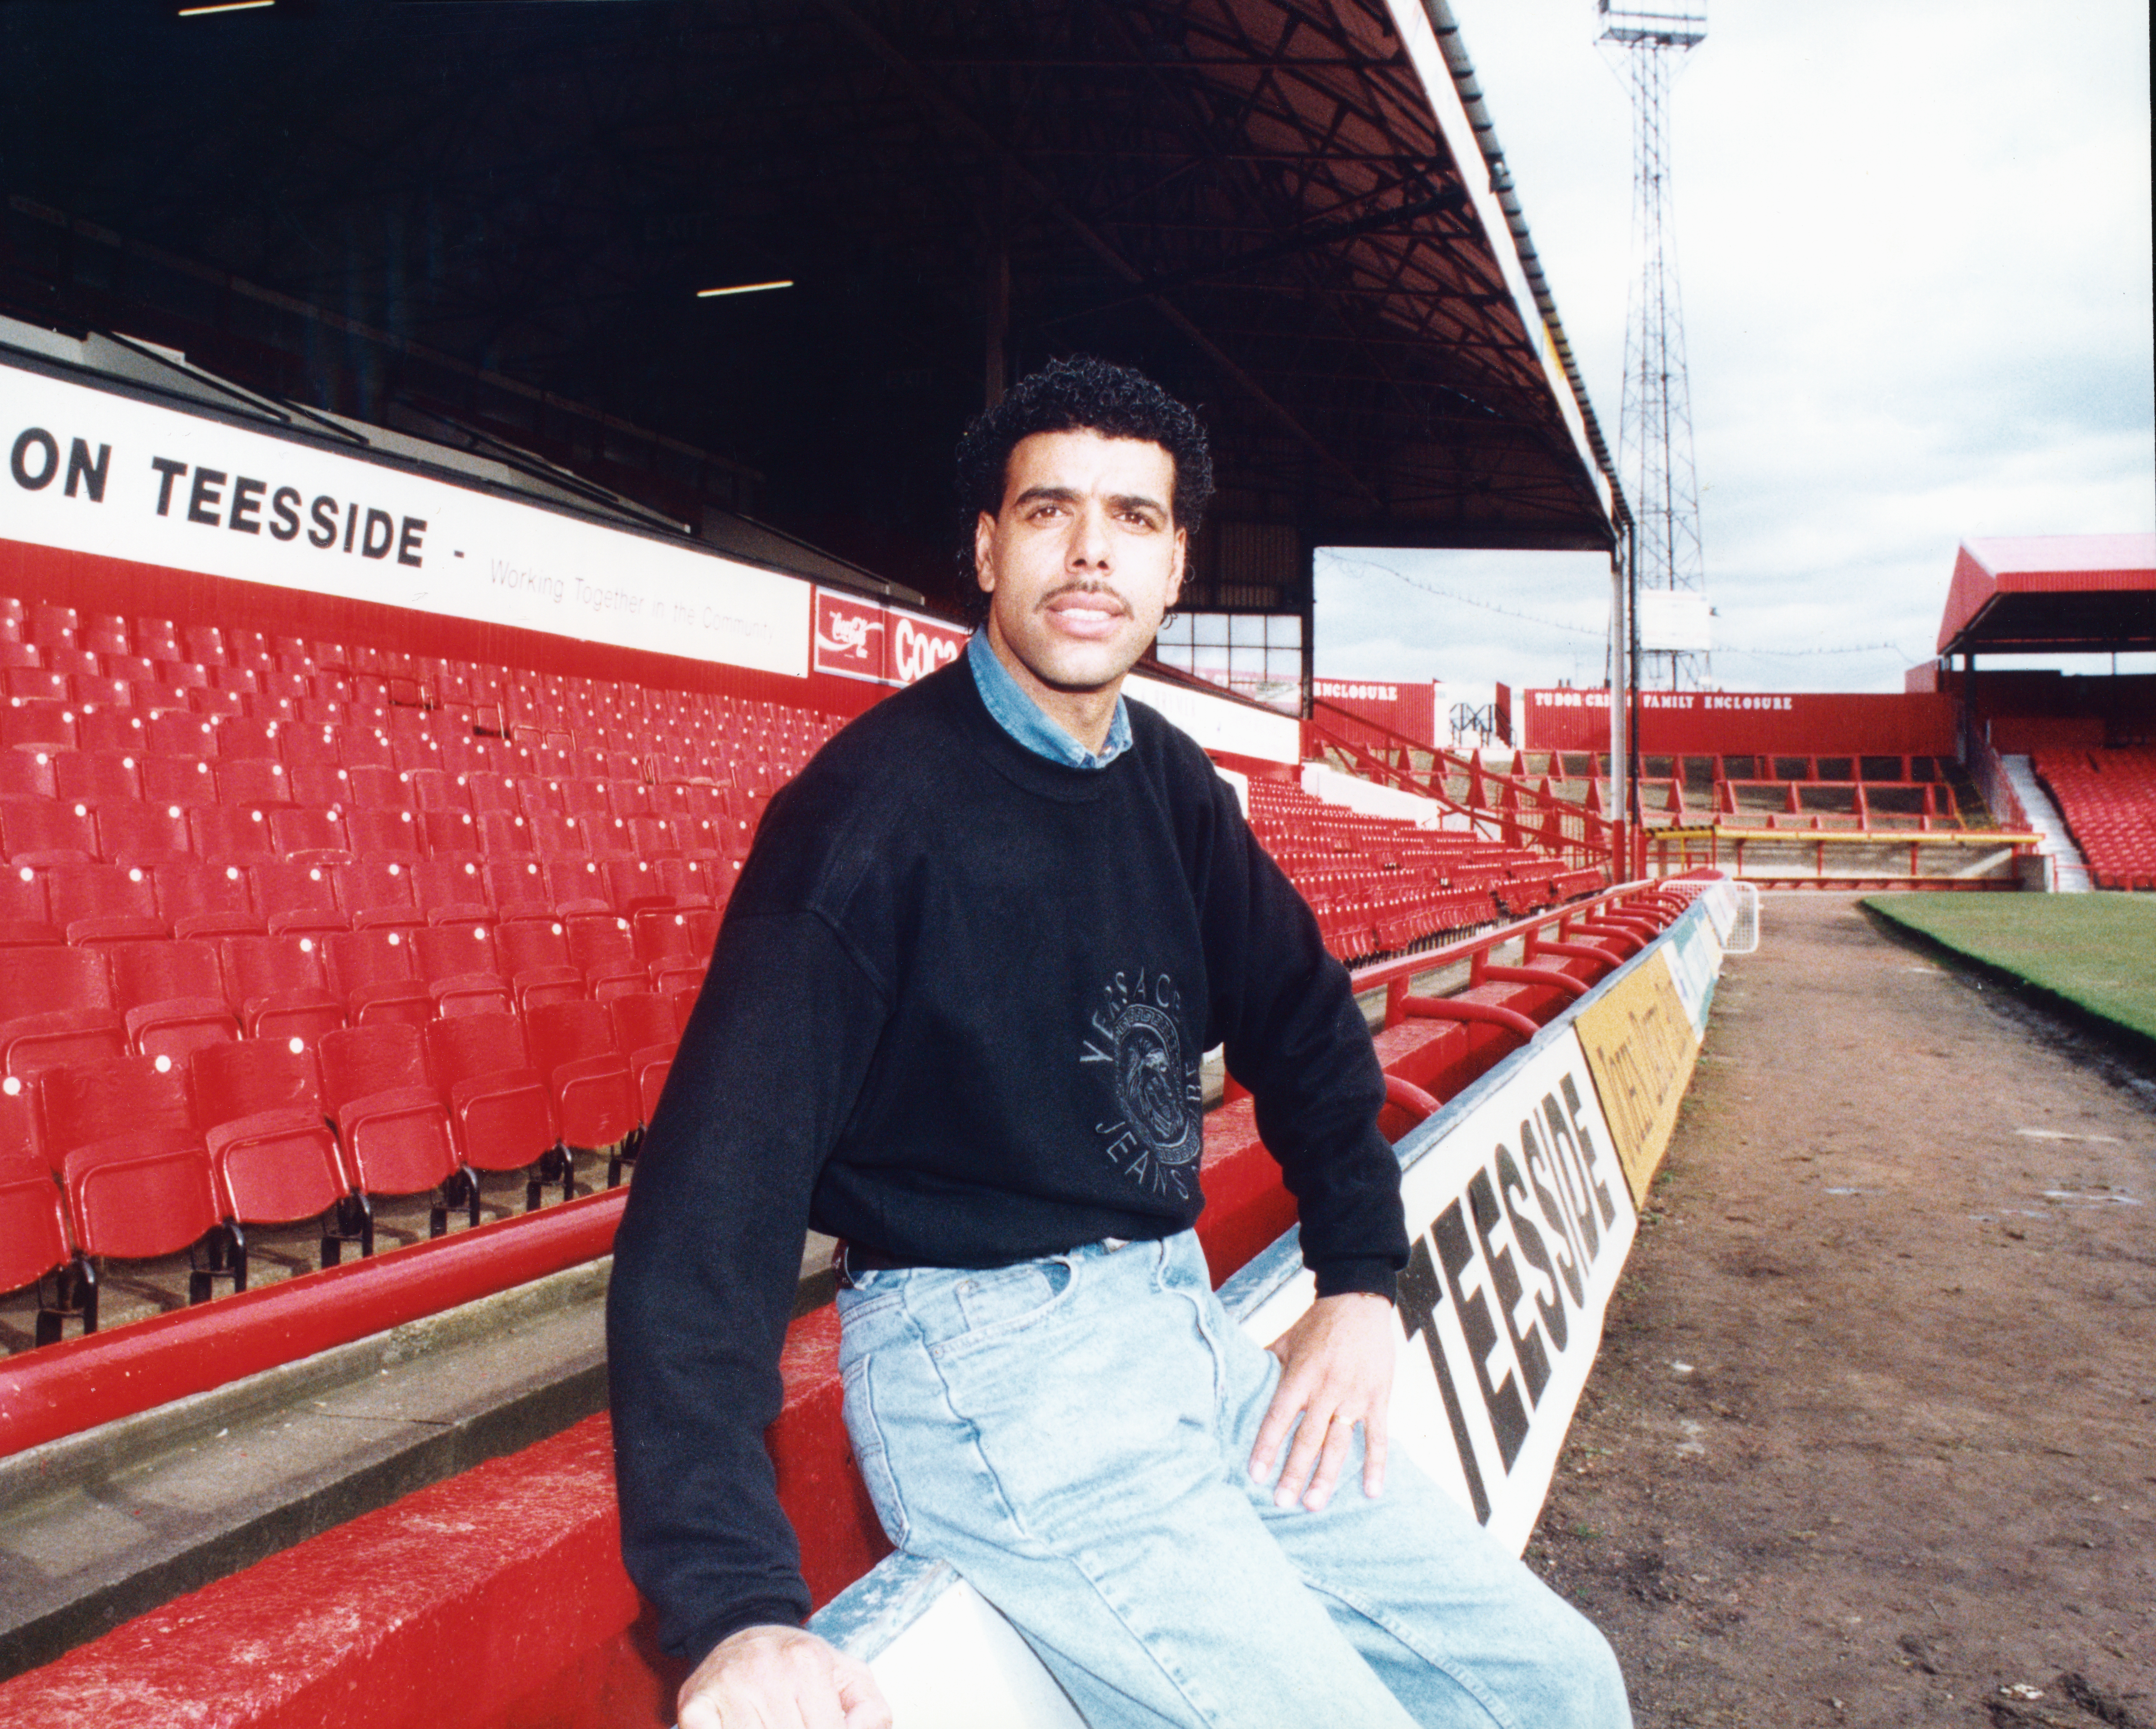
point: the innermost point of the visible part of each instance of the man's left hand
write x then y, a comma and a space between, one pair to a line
1335, 1370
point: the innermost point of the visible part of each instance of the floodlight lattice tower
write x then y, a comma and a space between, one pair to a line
1654, 440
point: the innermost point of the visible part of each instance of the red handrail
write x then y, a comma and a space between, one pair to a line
78, 1383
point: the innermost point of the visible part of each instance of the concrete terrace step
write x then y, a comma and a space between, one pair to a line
101, 1526
2070, 871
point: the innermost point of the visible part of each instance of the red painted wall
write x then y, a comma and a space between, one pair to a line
1408, 710
1741, 723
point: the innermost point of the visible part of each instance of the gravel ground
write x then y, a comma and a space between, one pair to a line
1872, 1438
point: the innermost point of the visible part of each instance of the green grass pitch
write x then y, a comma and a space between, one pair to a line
2095, 952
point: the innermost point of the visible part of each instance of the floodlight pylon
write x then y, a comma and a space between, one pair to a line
1654, 441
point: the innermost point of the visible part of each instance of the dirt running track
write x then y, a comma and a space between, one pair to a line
1872, 1439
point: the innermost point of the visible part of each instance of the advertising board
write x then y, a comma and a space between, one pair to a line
1641, 1045
99, 472
857, 638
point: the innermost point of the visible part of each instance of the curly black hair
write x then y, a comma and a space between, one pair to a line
1078, 394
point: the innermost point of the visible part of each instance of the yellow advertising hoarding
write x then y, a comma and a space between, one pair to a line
1640, 1048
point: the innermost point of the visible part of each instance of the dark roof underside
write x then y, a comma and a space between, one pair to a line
1249, 197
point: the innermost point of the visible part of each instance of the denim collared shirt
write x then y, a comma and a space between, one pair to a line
1019, 716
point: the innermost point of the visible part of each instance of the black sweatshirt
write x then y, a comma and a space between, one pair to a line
955, 1016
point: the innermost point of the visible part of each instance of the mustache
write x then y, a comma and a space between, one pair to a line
1098, 589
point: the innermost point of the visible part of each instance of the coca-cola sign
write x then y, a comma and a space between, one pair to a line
860, 639
850, 636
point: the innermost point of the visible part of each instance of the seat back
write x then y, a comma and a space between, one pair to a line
296, 894
185, 781
46, 980
100, 891
466, 1046
269, 966
376, 956
524, 944
33, 1235
201, 891
602, 943
97, 1102
238, 834
34, 829
641, 1019
96, 776
20, 1142
437, 884
357, 1061
452, 951
144, 973
229, 1081
558, 1032
136, 834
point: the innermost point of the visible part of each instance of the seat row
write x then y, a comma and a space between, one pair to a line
168, 996
47, 831
148, 1156
2108, 798
63, 902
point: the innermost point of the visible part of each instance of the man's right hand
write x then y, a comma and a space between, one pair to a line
781, 1678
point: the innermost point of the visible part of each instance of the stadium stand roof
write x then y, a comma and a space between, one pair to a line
1277, 207
2093, 594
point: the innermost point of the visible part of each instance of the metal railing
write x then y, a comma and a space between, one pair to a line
1506, 809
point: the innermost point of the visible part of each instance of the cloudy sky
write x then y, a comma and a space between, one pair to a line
1914, 245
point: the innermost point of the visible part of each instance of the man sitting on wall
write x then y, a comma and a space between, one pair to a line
955, 1017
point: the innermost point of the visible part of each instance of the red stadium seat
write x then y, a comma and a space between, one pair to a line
33, 723
519, 887
29, 774
206, 900
319, 786
187, 781
634, 883
56, 1009
373, 788
374, 893
385, 835
604, 949
277, 984
104, 903
609, 837
179, 733
97, 776
458, 965
504, 834
391, 1126
272, 1152
578, 885
25, 916
372, 971
136, 1172
239, 738
34, 1246
595, 1099
296, 897
502, 1106
450, 832
171, 997
645, 1032
228, 835
451, 889
251, 780
43, 831
686, 881
45, 681
140, 834
674, 933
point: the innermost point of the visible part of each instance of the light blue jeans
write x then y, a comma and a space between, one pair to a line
1074, 1435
